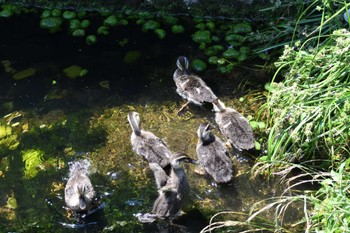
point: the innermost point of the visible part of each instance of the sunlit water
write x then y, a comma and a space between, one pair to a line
69, 119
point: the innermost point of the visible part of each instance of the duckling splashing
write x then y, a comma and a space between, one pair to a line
79, 193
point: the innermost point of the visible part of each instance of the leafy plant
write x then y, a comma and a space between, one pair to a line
307, 111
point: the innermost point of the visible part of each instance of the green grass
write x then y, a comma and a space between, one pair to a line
307, 112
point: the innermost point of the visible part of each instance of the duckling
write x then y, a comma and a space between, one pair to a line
79, 193
174, 193
146, 144
234, 126
190, 86
213, 155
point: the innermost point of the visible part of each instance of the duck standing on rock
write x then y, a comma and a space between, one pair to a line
190, 86
175, 191
79, 193
213, 155
234, 126
146, 144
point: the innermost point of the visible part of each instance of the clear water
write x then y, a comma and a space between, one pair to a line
69, 119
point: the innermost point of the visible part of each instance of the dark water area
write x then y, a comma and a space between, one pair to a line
57, 119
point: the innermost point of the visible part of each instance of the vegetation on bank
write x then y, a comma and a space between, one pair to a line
307, 142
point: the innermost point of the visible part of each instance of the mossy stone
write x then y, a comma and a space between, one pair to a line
74, 71
24, 74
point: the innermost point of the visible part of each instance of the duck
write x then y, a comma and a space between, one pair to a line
146, 144
213, 155
234, 126
79, 193
190, 86
174, 192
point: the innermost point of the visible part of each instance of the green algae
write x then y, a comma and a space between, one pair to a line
32, 159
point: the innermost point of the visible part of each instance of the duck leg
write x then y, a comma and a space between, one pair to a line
180, 112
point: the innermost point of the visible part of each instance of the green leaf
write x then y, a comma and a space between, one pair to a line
199, 65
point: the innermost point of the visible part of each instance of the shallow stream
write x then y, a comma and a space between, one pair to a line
57, 119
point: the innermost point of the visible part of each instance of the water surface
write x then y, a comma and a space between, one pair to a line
60, 120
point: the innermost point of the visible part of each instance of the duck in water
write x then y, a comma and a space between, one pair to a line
174, 191
191, 87
146, 144
213, 155
234, 126
79, 193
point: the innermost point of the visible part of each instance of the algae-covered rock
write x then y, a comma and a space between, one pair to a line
74, 71
24, 74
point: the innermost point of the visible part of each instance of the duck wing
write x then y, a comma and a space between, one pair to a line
153, 149
197, 90
236, 128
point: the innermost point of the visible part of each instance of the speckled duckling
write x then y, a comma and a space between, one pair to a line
191, 87
234, 126
79, 193
173, 193
213, 155
146, 144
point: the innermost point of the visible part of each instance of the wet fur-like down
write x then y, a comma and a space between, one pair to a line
146, 144
213, 156
234, 126
190, 86
79, 192
174, 194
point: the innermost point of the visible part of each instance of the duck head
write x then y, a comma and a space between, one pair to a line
182, 63
180, 157
204, 133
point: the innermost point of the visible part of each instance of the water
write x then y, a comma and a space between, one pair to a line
60, 120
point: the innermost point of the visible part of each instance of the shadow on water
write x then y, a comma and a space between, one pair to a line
66, 119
